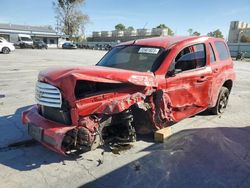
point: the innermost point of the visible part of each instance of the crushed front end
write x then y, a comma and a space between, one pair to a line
97, 112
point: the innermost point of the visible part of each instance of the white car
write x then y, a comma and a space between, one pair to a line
5, 46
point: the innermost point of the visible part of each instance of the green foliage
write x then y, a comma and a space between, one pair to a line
196, 33
244, 39
190, 31
163, 26
78, 39
120, 27
217, 33
70, 19
130, 28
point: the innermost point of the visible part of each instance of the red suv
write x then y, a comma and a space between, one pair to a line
137, 87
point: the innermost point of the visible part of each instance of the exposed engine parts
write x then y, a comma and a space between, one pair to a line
121, 128
94, 131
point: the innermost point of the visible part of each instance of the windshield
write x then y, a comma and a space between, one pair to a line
137, 58
3, 39
25, 39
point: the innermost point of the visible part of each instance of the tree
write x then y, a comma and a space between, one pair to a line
130, 28
70, 19
196, 33
244, 39
163, 26
190, 31
217, 33
120, 27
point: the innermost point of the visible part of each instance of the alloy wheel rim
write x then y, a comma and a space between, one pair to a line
5, 50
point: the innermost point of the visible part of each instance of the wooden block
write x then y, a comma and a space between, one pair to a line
162, 134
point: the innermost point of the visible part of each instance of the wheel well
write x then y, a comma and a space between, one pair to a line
228, 84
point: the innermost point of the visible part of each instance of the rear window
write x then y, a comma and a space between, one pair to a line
222, 50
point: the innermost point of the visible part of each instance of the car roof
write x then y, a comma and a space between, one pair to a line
166, 42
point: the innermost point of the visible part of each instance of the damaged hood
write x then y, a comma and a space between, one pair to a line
65, 78
97, 74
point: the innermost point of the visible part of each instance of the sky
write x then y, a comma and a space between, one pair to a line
201, 16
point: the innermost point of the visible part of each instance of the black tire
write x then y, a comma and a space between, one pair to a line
222, 102
5, 50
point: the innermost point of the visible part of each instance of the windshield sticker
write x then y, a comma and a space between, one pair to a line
148, 50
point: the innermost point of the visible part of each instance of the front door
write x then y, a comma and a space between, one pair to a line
189, 87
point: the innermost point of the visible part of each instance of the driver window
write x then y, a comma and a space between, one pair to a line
191, 57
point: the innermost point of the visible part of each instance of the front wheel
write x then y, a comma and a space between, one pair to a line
222, 101
6, 50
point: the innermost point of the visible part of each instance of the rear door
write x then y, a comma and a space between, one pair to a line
219, 66
216, 67
188, 90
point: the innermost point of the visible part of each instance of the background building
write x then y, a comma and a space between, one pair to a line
237, 30
127, 35
44, 33
239, 38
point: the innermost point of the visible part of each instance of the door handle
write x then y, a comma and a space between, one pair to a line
202, 79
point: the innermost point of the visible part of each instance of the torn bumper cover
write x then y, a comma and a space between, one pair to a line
47, 132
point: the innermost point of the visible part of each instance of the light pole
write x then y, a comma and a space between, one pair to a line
239, 36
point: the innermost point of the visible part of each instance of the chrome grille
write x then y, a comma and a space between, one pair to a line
48, 95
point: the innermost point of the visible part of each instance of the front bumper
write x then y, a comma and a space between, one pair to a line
47, 132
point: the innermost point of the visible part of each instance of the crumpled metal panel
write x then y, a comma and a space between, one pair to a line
110, 104
65, 78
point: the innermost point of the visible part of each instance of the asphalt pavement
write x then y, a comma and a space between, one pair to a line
204, 151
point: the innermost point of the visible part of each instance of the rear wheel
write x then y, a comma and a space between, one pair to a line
5, 50
222, 102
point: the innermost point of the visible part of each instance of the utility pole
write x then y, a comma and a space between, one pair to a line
239, 36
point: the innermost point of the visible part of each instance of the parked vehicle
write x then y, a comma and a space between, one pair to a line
107, 47
69, 45
40, 45
138, 87
102, 47
5, 46
240, 56
24, 41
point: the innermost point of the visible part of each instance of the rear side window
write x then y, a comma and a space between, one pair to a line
191, 57
222, 50
212, 56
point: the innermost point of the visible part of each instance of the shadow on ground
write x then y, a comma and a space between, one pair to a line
209, 157
27, 156
11, 128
